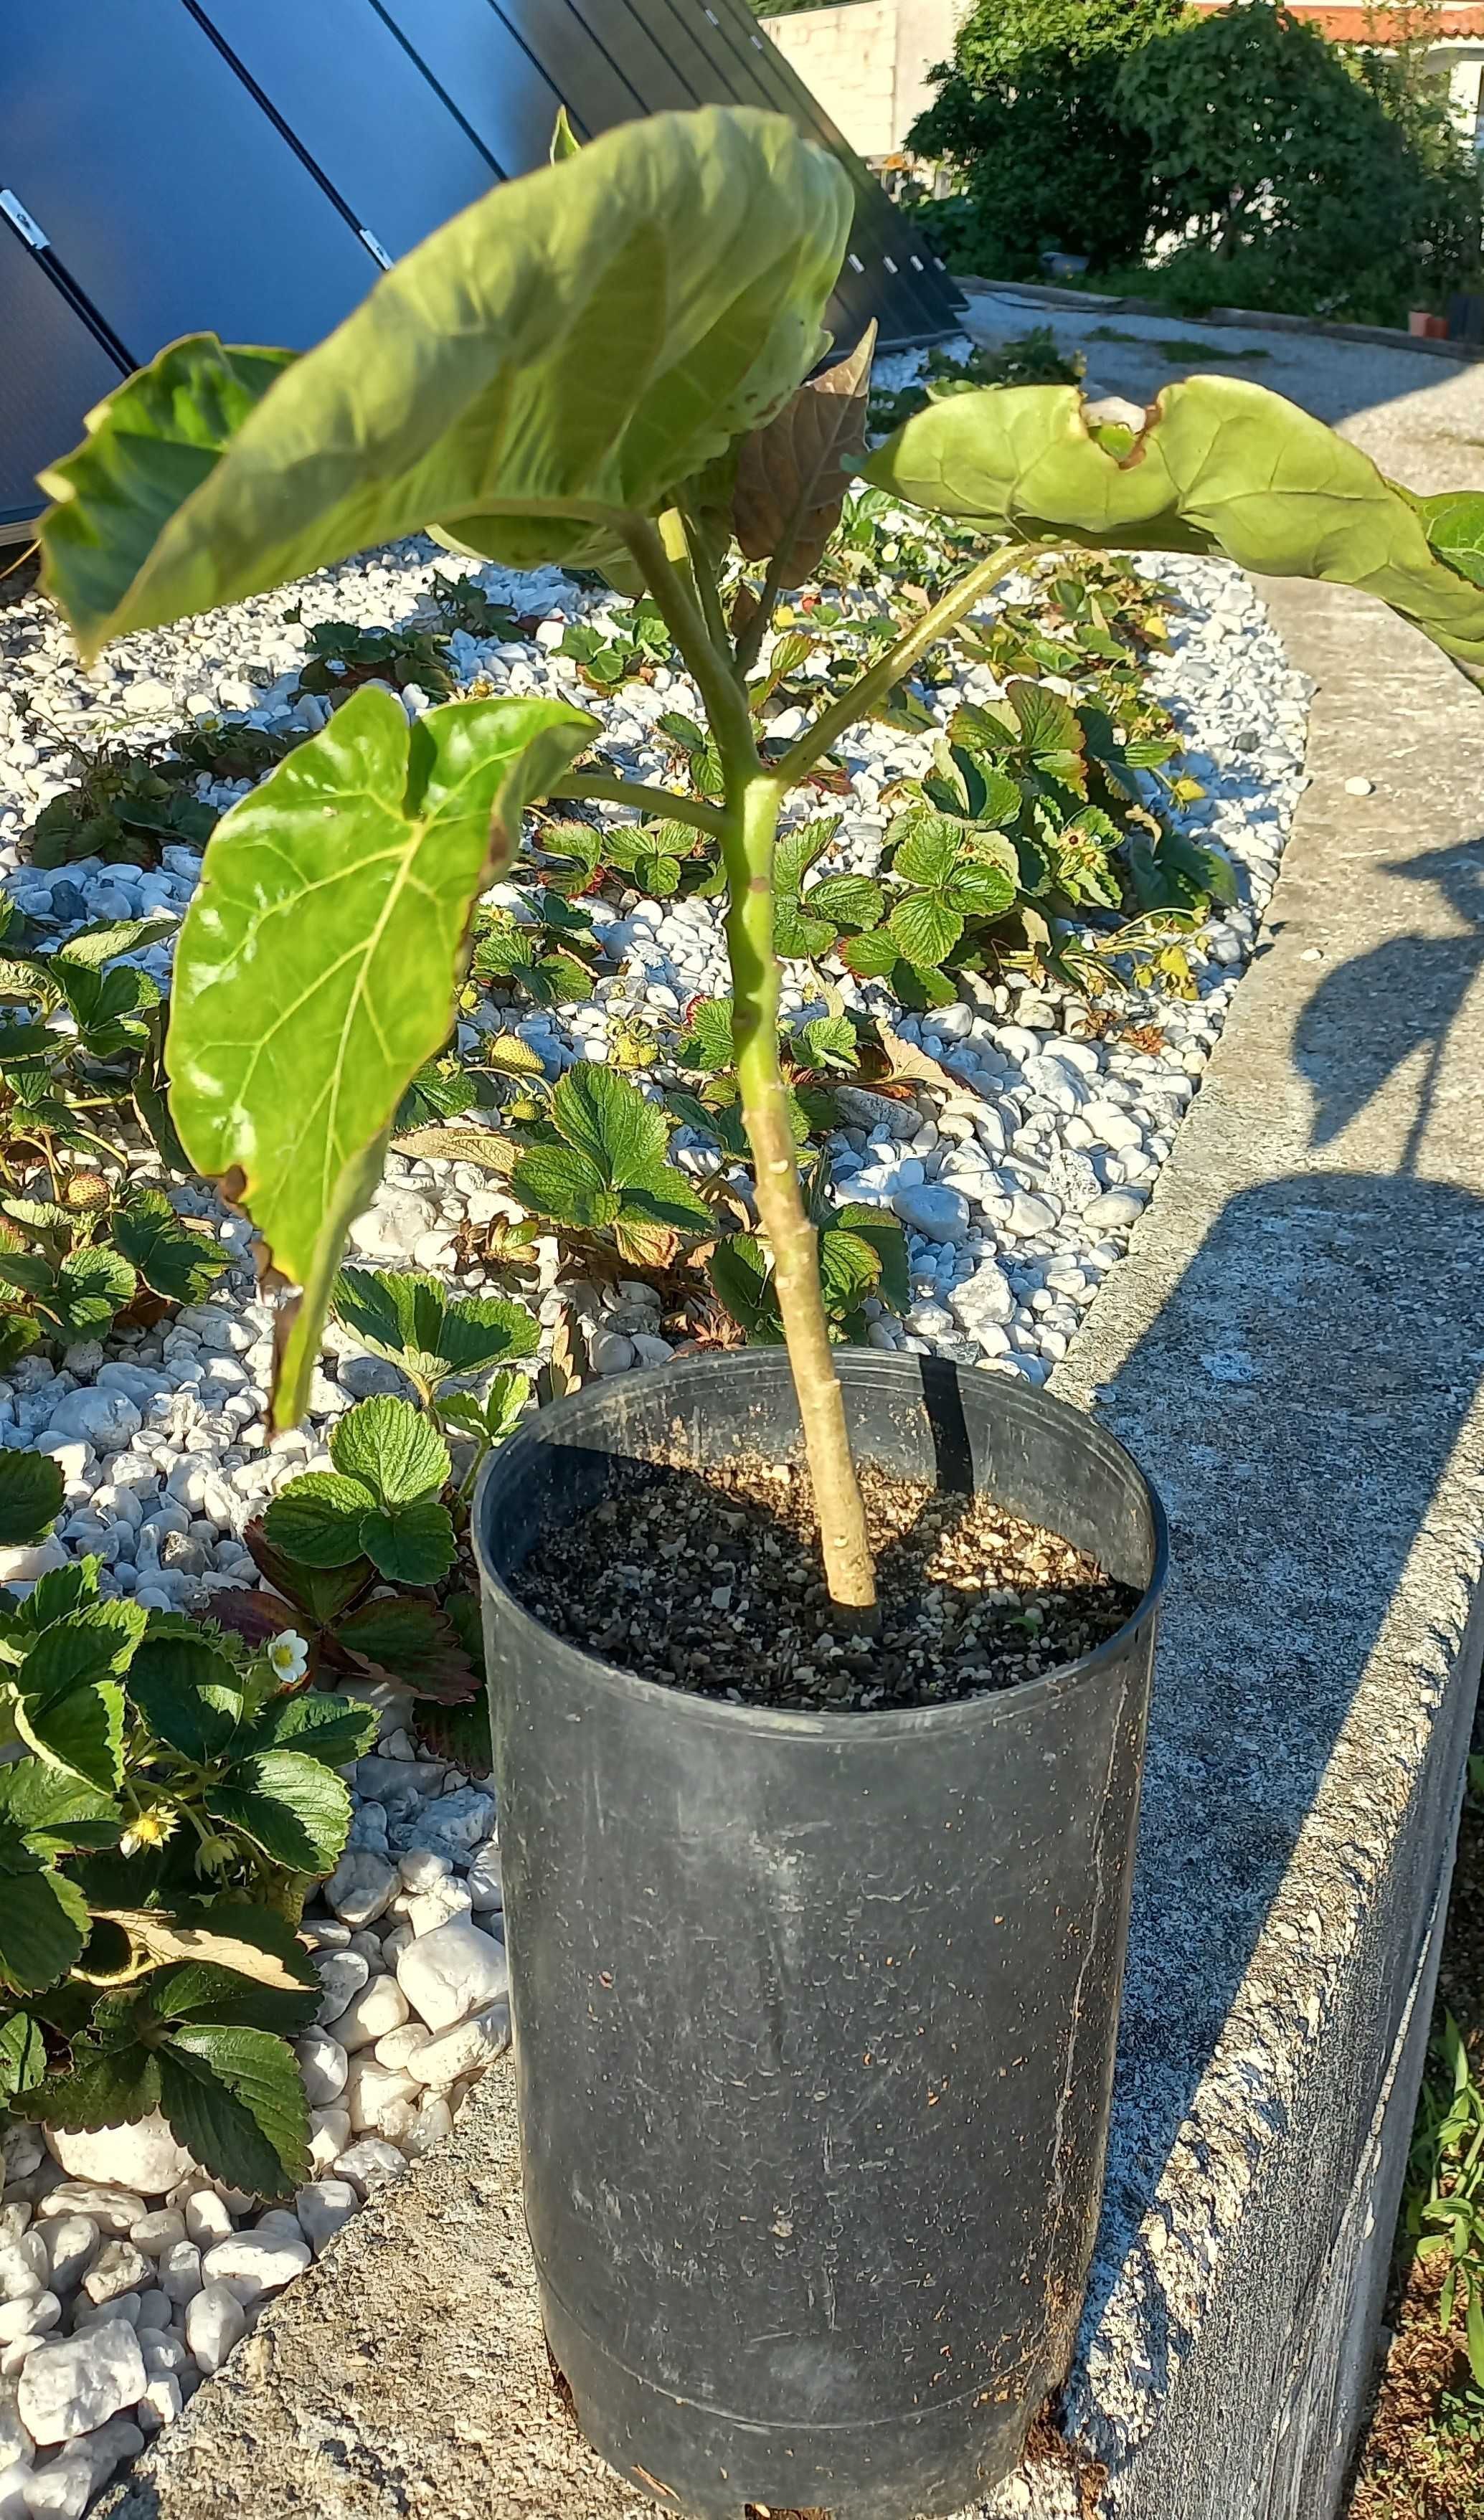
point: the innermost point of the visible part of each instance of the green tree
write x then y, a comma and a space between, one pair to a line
1024, 113
1305, 177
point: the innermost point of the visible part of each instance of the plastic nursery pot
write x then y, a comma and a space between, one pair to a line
815, 2015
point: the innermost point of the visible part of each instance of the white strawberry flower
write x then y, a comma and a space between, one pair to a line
287, 1658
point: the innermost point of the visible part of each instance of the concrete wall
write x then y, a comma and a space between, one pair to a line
868, 61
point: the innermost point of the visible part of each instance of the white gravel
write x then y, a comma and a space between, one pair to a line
1018, 1188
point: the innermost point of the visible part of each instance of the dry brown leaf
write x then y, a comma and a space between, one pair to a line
791, 476
167, 1938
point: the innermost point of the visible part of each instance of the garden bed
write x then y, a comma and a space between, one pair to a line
1010, 1132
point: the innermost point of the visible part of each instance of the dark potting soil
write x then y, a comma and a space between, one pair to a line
715, 1584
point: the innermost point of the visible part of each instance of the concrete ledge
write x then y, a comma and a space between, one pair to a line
1295, 1350
1382, 336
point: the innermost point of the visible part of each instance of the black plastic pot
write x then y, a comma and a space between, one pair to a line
815, 2015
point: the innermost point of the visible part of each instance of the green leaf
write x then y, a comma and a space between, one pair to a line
741, 1277
850, 1268
924, 929
107, 937
43, 1917
889, 1243
115, 2086
31, 1487
295, 1809
56, 1814
391, 1449
829, 1041
317, 1518
928, 847
608, 1120
519, 380
153, 442
1454, 521
410, 1544
706, 1042
79, 1728
92, 1285
188, 1695
318, 963
171, 1259
234, 2097
873, 956
566, 1184
22, 2055
847, 900
333, 1730
408, 1318
1220, 466
565, 140
983, 887
412, 1643
793, 475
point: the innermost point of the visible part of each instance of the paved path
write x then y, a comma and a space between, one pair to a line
1421, 419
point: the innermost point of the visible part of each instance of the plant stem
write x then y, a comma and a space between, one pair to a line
588, 786
752, 800
900, 658
749, 640
748, 851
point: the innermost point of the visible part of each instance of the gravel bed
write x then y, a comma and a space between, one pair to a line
125, 2275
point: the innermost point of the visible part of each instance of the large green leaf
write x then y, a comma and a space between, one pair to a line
294, 1808
115, 2087
235, 2099
318, 963
80, 1730
1220, 464
43, 1917
31, 1487
148, 447
563, 353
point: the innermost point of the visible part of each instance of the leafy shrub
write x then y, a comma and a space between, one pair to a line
1313, 183
1024, 113
168, 1799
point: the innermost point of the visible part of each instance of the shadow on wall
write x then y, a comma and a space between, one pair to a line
1333, 1380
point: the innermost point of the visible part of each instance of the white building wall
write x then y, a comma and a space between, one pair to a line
867, 62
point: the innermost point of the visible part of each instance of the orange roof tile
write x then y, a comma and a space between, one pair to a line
1352, 24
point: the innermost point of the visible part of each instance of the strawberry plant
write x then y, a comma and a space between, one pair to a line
342, 656
167, 1798
352, 871
609, 654
595, 1166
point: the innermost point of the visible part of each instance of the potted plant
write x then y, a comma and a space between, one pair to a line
815, 2003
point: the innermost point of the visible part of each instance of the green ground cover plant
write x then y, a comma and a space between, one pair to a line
166, 1799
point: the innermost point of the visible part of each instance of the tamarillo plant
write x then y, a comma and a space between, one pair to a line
605, 363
